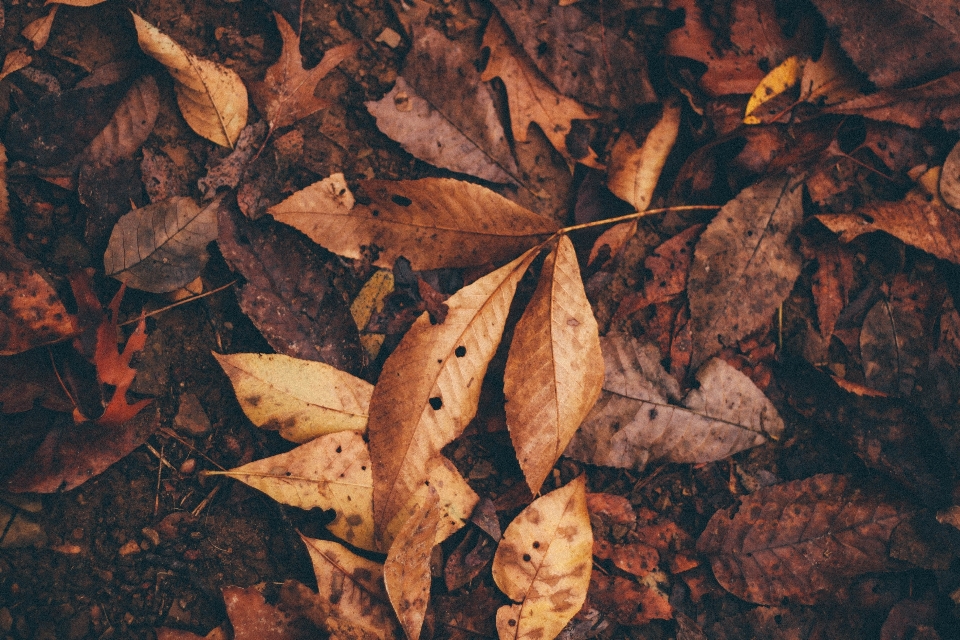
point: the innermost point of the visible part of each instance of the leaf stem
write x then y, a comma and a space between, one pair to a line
638, 215
178, 303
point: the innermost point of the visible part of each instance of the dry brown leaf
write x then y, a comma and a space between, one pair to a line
212, 98
330, 472
555, 368
543, 564
14, 61
531, 98
949, 178
352, 589
302, 399
286, 94
38, 31
406, 573
129, 127
634, 423
6, 227
430, 386
634, 170
931, 104
433, 222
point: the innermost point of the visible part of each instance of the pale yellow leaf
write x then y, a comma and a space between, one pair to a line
302, 399
212, 98
781, 78
38, 31
406, 572
634, 171
433, 222
15, 60
352, 591
430, 386
530, 96
330, 472
555, 367
543, 564
368, 302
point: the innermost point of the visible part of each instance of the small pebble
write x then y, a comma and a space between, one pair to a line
189, 466
129, 548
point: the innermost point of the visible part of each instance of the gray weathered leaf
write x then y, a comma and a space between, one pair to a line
162, 246
633, 422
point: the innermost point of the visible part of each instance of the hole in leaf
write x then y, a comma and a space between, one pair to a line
436, 403
536, 545
460, 351
401, 200
526, 557
339, 449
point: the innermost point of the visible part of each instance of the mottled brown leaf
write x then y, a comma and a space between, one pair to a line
253, 618
930, 104
831, 284
893, 346
626, 601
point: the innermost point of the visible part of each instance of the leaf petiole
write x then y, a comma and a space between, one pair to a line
637, 215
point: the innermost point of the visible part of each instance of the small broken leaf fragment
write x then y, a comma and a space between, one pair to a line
286, 93
212, 98
367, 303
543, 564
554, 369
302, 399
329, 472
634, 171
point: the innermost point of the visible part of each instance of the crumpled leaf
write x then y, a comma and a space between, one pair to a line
286, 94
302, 399
531, 98
433, 222
634, 171
543, 564
352, 593
162, 246
744, 265
554, 369
627, 601
406, 572
212, 98
634, 423
430, 386
800, 540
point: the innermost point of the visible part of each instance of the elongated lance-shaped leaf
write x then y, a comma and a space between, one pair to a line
555, 368
430, 386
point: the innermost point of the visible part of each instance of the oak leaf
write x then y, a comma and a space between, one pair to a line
212, 98
430, 386
302, 399
286, 93
543, 564
433, 222
554, 370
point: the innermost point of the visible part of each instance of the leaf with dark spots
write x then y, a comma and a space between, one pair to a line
286, 272
801, 540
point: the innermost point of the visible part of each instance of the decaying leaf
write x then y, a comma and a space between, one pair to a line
38, 31
253, 618
784, 76
800, 540
129, 126
744, 265
406, 573
543, 564
531, 98
831, 286
634, 171
893, 346
212, 98
633, 422
628, 602
162, 246
430, 385
352, 593
433, 222
330, 472
286, 94
555, 368
931, 104
302, 399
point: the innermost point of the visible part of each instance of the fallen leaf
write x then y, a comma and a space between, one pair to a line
531, 99
893, 347
554, 369
128, 128
228, 172
628, 602
367, 303
329, 472
38, 31
930, 104
800, 540
161, 247
744, 265
430, 385
633, 423
211, 97
406, 573
831, 285
252, 618
28, 377
543, 564
301, 399
634, 170
469, 559
352, 591
286, 94
781, 78
433, 222
14, 61
165, 633
613, 508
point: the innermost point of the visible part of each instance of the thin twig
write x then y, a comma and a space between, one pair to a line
178, 303
173, 434
638, 215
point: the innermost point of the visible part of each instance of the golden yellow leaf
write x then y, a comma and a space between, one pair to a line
212, 98
14, 61
433, 222
406, 573
38, 31
554, 370
781, 78
543, 564
634, 171
530, 96
368, 302
330, 472
430, 386
301, 399
352, 590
